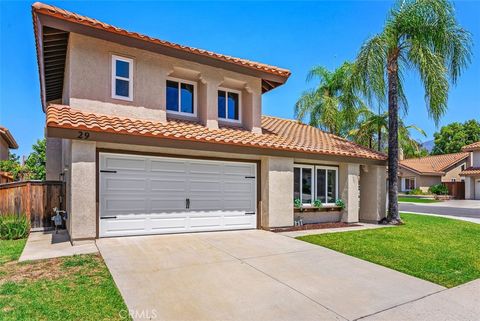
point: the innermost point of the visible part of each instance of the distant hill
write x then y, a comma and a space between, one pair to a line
428, 145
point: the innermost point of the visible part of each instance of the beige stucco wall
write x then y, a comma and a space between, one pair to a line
421, 181
4, 152
373, 193
88, 83
348, 177
277, 191
475, 158
54, 158
454, 171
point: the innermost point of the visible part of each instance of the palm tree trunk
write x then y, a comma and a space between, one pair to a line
379, 134
392, 69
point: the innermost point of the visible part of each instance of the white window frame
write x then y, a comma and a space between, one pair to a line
326, 182
116, 58
239, 93
180, 81
404, 183
314, 168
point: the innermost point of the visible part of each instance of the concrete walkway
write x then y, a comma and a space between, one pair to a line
459, 303
46, 245
251, 275
362, 226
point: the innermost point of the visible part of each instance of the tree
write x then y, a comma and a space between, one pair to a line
12, 166
373, 125
35, 163
334, 103
454, 136
423, 36
34, 167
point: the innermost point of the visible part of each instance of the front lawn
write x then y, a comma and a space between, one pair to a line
416, 200
69, 288
437, 249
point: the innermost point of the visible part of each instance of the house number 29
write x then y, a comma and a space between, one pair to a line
83, 135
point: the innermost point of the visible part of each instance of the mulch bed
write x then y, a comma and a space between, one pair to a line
313, 227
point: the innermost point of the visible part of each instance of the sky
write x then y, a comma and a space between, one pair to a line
292, 35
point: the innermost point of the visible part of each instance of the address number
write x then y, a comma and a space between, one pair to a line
83, 135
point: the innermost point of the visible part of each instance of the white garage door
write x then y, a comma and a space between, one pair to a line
155, 195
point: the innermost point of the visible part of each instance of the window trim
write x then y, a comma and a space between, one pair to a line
114, 59
188, 82
314, 181
335, 168
404, 183
234, 91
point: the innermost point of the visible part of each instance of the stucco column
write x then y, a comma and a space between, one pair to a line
469, 188
373, 191
208, 100
277, 191
348, 183
53, 154
252, 110
83, 220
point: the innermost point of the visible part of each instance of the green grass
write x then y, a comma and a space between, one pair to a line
440, 250
70, 288
416, 200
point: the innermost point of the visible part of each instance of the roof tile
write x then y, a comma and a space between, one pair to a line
470, 171
472, 147
435, 164
278, 134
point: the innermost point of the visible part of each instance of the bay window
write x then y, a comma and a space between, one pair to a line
315, 183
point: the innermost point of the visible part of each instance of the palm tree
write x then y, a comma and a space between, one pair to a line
424, 36
372, 124
333, 104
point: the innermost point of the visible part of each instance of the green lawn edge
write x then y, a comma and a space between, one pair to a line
440, 250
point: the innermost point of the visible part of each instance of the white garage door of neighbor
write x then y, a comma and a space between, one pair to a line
155, 195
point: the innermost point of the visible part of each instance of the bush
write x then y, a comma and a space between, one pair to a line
438, 189
416, 191
13, 227
340, 203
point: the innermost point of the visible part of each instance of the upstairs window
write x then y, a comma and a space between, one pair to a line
122, 78
181, 97
229, 105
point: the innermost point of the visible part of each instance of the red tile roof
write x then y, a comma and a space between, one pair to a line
49, 10
470, 171
278, 134
471, 147
7, 136
433, 165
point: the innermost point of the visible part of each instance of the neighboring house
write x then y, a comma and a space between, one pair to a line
424, 172
7, 142
472, 172
152, 137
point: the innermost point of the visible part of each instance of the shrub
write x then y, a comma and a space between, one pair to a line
13, 227
317, 203
297, 203
340, 203
416, 191
438, 189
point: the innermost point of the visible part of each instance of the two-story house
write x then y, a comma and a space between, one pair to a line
154, 137
7, 142
471, 174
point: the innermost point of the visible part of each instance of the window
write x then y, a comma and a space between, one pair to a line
122, 78
409, 183
454, 180
229, 105
315, 182
462, 167
181, 97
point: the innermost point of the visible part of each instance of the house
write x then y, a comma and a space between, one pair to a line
7, 142
154, 137
424, 172
471, 174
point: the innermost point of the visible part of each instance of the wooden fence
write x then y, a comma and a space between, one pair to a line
456, 189
35, 199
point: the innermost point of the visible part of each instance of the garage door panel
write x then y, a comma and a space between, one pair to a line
221, 195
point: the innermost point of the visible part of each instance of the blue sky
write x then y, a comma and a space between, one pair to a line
293, 35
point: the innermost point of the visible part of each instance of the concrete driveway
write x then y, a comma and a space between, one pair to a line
250, 275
